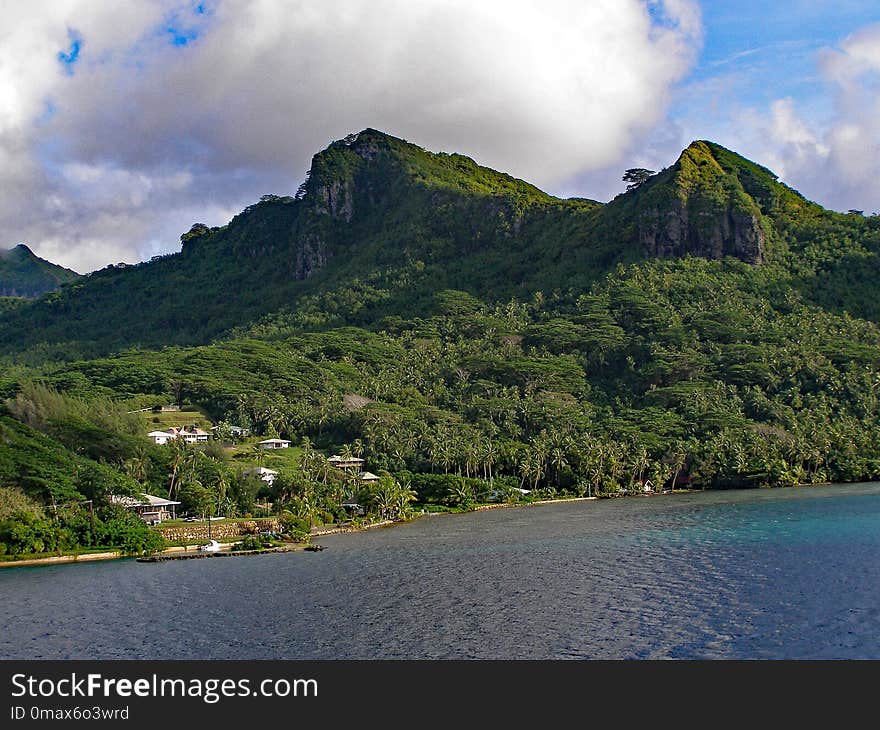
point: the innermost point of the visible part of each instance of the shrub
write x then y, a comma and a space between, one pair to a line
296, 527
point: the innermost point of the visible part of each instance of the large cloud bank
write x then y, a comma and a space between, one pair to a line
123, 123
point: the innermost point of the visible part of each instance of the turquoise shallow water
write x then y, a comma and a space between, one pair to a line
790, 573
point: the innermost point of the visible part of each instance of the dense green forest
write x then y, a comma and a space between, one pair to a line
469, 336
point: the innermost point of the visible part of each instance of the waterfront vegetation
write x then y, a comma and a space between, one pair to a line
473, 340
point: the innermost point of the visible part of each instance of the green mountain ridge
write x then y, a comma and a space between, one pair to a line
465, 332
24, 274
397, 223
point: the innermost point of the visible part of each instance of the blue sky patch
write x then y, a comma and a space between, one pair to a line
181, 36
69, 57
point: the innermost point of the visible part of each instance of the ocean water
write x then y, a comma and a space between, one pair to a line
753, 574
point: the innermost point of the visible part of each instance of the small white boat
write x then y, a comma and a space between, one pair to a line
212, 546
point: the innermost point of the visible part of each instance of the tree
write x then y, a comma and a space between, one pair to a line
635, 176
178, 457
137, 466
258, 454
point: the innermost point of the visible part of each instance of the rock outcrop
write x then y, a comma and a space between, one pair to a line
681, 231
335, 200
311, 256
699, 207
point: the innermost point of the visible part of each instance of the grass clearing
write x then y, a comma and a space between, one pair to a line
168, 419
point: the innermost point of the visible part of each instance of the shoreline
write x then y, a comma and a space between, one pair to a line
192, 550
171, 553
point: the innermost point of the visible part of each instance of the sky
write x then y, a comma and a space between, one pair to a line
122, 124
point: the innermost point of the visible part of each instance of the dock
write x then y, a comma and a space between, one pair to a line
219, 554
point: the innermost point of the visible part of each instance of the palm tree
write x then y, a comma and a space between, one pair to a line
404, 498
490, 455
558, 461
461, 493
639, 464
676, 461
136, 467
221, 489
192, 460
177, 459
258, 453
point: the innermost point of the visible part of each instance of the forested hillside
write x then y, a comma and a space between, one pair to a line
468, 334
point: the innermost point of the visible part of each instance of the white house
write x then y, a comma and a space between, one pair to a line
190, 434
236, 431
160, 437
149, 507
274, 444
261, 472
495, 494
368, 477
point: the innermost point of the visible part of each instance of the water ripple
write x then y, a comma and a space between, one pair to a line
749, 575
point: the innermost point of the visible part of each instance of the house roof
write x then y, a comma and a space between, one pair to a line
337, 459
274, 441
175, 431
368, 476
261, 470
187, 431
147, 500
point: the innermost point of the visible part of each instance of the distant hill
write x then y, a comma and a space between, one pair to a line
24, 274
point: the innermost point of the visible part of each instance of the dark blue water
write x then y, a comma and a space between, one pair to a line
791, 573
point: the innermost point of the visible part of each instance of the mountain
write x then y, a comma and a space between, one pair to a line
24, 274
463, 331
381, 225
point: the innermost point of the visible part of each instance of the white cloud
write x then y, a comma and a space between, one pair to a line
831, 158
144, 134
836, 162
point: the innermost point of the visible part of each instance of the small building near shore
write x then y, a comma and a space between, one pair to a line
150, 508
353, 507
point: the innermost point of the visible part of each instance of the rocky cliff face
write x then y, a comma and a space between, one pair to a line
699, 207
681, 231
311, 256
335, 199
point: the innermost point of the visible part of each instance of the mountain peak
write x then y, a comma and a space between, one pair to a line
19, 252
24, 274
375, 168
710, 203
